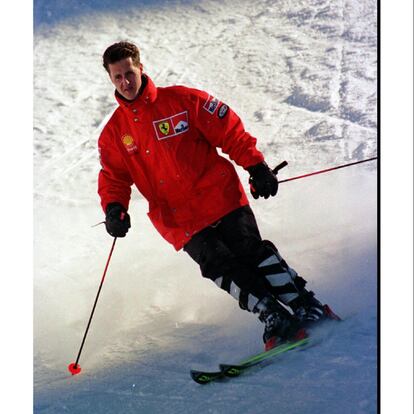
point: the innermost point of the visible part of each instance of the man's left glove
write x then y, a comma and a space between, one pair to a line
263, 183
117, 220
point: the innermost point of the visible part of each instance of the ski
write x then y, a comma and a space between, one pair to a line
234, 370
204, 377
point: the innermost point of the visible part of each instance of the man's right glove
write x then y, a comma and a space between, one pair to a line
263, 183
117, 220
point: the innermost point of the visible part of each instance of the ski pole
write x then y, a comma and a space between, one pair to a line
284, 163
74, 368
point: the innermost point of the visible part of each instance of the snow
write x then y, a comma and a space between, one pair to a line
302, 75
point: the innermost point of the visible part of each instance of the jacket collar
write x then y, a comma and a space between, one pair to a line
146, 95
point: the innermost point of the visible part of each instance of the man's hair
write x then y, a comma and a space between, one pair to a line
119, 51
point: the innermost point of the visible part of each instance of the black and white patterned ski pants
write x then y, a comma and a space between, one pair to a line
232, 253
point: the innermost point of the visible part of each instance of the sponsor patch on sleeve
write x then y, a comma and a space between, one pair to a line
222, 111
171, 126
211, 104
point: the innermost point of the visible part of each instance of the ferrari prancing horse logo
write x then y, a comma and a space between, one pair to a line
164, 127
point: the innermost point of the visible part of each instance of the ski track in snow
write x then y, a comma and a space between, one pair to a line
302, 75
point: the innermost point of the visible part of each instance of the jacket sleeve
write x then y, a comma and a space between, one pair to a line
114, 181
223, 128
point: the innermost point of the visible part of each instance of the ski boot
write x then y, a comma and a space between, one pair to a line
309, 311
280, 325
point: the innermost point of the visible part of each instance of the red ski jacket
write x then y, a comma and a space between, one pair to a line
165, 142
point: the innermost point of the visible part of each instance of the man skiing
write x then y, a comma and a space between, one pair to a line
165, 140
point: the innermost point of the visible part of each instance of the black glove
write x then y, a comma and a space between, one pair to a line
117, 220
263, 183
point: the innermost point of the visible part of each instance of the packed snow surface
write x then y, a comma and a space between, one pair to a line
302, 76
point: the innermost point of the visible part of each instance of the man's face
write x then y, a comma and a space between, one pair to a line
126, 78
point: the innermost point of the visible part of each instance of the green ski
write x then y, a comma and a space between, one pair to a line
233, 370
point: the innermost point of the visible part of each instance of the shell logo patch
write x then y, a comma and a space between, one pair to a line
129, 144
171, 126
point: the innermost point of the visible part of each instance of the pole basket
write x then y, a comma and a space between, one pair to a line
74, 368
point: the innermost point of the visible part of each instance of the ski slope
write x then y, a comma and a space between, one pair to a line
302, 75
